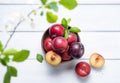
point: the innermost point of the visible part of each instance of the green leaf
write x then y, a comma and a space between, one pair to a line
6, 59
43, 2
21, 56
39, 58
51, 18
52, 5
7, 78
64, 23
3, 62
69, 20
12, 71
41, 13
10, 51
74, 29
69, 4
66, 33
1, 46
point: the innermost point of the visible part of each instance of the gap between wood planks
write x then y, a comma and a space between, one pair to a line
78, 4
25, 31
84, 59
43, 31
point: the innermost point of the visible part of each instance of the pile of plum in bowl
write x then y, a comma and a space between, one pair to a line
61, 43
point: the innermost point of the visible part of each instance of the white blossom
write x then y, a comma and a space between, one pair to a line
11, 20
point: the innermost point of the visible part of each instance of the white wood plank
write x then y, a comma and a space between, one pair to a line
88, 18
98, 1
31, 71
12, 16
107, 44
37, 1
4, 37
20, 1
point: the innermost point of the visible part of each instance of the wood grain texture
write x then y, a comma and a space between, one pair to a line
99, 22
105, 43
4, 37
32, 71
79, 1
87, 17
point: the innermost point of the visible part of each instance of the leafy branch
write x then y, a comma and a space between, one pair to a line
50, 16
22, 55
11, 55
53, 5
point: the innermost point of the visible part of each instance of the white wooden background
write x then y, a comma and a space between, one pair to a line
99, 21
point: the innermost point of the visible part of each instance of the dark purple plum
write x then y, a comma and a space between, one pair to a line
76, 50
